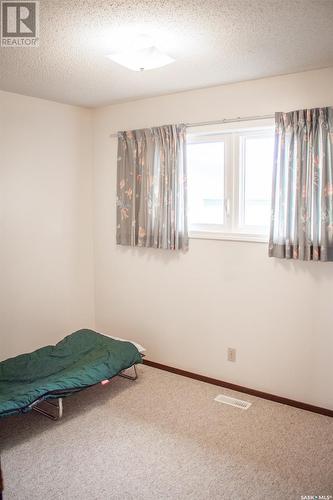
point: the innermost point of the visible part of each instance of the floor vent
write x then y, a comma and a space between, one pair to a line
239, 403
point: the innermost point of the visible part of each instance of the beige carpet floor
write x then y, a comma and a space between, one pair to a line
164, 437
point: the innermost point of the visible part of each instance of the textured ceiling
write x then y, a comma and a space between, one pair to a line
213, 42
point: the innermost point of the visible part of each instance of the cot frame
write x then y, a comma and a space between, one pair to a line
56, 404
54, 399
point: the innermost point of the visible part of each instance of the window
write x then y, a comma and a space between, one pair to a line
206, 181
229, 182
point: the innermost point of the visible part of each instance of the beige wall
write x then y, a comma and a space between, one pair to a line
187, 309
46, 259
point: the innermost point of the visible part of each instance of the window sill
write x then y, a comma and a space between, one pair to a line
209, 235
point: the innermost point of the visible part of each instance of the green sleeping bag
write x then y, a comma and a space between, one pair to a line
80, 360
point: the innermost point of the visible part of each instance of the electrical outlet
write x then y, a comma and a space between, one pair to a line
231, 354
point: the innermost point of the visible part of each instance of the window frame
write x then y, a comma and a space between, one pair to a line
205, 139
233, 135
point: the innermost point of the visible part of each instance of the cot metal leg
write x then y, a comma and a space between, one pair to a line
52, 416
129, 377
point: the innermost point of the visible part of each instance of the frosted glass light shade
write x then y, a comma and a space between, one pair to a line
142, 59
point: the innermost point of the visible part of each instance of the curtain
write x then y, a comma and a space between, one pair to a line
151, 188
302, 196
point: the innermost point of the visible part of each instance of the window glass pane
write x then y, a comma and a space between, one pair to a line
258, 163
205, 174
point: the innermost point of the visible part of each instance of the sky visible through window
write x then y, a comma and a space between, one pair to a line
206, 182
258, 180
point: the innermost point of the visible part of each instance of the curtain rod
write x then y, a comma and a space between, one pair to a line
228, 120
221, 122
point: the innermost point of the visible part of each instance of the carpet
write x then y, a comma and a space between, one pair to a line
164, 437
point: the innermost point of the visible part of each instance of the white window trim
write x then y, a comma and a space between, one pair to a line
232, 184
211, 235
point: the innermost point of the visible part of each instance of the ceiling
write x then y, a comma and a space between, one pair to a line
213, 41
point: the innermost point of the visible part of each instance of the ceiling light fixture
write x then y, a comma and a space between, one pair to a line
143, 55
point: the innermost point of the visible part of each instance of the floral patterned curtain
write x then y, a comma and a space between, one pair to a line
151, 188
302, 198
